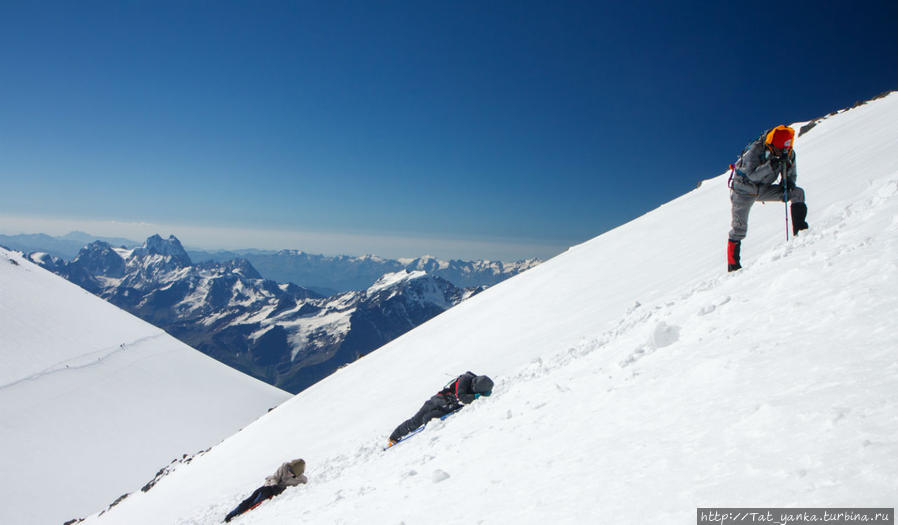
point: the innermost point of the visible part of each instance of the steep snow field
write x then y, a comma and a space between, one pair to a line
636, 379
94, 401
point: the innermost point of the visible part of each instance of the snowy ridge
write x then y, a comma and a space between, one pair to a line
392, 279
93, 400
30, 347
93, 358
631, 386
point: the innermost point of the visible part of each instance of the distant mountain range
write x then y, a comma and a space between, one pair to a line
326, 275
65, 247
334, 274
284, 334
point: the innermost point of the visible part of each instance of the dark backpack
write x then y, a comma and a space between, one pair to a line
735, 166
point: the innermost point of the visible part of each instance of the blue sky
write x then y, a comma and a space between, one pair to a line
461, 129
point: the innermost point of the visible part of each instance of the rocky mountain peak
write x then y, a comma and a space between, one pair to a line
243, 268
171, 247
99, 259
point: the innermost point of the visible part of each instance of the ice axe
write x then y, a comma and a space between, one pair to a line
785, 195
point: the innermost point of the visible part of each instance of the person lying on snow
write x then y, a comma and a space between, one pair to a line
461, 391
289, 474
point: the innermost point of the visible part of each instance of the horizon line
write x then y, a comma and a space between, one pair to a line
223, 238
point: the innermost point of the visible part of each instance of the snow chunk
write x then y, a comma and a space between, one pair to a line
439, 475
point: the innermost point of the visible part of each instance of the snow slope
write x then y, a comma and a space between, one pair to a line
94, 401
636, 379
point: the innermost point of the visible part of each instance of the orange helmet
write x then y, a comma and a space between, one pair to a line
780, 138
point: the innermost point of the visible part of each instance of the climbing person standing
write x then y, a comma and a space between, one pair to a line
753, 178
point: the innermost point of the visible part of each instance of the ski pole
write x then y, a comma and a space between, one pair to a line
785, 198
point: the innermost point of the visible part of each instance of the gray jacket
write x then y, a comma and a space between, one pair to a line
288, 475
756, 168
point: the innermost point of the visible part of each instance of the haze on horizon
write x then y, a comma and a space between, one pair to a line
210, 238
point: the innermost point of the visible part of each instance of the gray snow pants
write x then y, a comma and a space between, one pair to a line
742, 201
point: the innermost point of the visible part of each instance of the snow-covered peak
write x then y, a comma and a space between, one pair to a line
124, 253
40, 257
393, 279
368, 257
238, 266
428, 263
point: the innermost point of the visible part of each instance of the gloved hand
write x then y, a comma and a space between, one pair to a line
776, 164
790, 184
